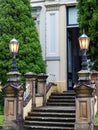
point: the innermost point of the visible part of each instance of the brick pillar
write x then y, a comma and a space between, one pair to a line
13, 102
84, 102
42, 86
31, 81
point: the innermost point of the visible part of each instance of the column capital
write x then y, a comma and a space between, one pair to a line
42, 77
30, 75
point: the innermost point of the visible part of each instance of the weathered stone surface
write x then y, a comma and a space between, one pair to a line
84, 126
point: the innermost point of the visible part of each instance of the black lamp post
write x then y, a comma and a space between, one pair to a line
14, 45
84, 41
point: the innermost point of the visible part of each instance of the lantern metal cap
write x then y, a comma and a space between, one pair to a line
13, 40
84, 36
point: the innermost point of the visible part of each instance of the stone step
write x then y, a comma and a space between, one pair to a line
56, 109
53, 119
61, 97
63, 94
51, 114
45, 123
61, 100
60, 104
36, 127
59, 114
70, 91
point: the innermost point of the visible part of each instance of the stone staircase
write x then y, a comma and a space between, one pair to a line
59, 114
62, 99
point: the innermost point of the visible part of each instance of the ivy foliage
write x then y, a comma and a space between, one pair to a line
88, 20
16, 21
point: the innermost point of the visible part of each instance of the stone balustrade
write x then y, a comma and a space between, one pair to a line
35, 84
15, 96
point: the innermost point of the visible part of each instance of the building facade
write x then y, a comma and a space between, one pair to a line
56, 21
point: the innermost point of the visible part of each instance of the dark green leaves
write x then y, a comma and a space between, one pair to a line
16, 21
88, 20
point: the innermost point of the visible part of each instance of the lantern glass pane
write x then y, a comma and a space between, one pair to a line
13, 47
84, 43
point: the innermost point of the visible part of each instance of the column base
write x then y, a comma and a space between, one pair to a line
84, 126
9, 125
12, 125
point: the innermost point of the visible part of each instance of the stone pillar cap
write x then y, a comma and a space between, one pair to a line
84, 71
94, 72
84, 75
30, 74
87, 85
42, 75
13, 76
84, 89
13, 73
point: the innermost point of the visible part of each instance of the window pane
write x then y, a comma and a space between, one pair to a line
72, 16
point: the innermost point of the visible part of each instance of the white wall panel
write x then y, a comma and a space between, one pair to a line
52, 33
53, 68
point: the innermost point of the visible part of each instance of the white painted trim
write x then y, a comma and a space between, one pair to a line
72, 26
37, 4
62, 2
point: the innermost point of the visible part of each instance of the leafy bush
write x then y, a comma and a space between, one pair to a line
88, 20
16, 21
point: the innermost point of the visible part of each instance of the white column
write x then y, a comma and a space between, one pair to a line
63, 45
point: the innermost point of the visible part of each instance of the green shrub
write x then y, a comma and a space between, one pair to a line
96, 118
16, 21
1, 119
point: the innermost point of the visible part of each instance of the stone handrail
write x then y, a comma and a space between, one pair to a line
41, 82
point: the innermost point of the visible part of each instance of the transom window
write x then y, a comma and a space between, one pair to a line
72, 16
